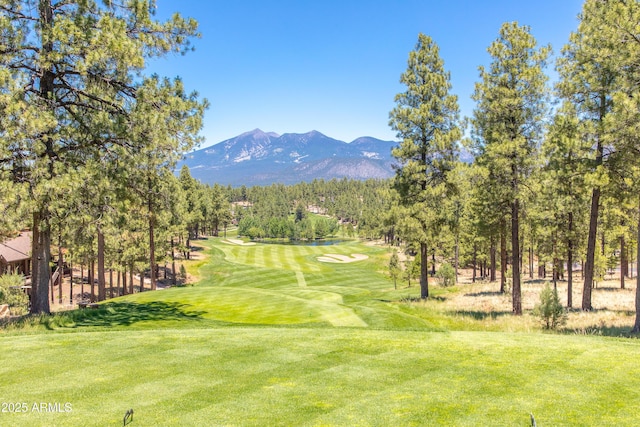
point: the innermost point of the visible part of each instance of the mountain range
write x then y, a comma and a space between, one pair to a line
264, 158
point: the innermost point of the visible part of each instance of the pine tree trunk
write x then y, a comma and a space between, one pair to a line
555, 269
92, 280
593, 219
424, 279
102, 286
60, 269
71, 283
623, 262
591, 250
515, 264
40, 255
475, 263
81, 282
570, 262
152, 256
629, 265
173, 264
456, 259
503, 255
433, 263
492, 254
41, 234
152, 244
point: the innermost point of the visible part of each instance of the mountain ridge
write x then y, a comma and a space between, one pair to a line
263, 158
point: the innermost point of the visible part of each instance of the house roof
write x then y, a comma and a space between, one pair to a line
16, 249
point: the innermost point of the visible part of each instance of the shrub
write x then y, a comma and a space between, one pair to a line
11, 294
508, 281
183, 273
446, 275
550, 311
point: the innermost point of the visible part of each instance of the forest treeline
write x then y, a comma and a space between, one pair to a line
89, 143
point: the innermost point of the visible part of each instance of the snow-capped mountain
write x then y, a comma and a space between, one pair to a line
263, 158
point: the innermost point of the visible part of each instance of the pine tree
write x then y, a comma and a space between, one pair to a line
73, 88
394, 268
507, 121
426, 121
561, 197
589, 76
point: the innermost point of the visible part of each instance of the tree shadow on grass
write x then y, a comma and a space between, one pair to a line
539, 281
481, 315
485, 294
123, 314
610, 289
415, 299
601, 328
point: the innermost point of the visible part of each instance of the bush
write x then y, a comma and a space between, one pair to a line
183, 273
11, 294
550, 311
446, 275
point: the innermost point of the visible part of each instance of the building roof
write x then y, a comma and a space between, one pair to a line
16, 249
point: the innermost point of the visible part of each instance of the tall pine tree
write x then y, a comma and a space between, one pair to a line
508, 121
426, 120
71, 71
589, 74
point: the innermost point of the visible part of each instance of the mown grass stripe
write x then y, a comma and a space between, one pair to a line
335, 376
300, 277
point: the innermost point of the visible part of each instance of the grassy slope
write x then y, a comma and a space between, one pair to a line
277, 284
254, 346
336, 376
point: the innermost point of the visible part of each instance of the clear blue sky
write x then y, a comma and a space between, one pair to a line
334, 65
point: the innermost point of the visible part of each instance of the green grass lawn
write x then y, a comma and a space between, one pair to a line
271, 336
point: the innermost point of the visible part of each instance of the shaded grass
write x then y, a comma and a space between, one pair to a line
123, 313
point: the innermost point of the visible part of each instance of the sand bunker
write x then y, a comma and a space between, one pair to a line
237, 242
342, 258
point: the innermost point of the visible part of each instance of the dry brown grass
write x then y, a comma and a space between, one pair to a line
480, 305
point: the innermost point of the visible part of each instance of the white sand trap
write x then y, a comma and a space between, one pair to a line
237, 242
342, 258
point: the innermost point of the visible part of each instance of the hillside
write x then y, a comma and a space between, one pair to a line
263, 158
311, 342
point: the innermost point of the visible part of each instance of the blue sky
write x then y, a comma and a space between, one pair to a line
334, 65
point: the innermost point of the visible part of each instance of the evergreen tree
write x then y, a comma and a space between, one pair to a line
614, 27
426, 121
74, 87
394, 268
561, 195
589, 76
508, 119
